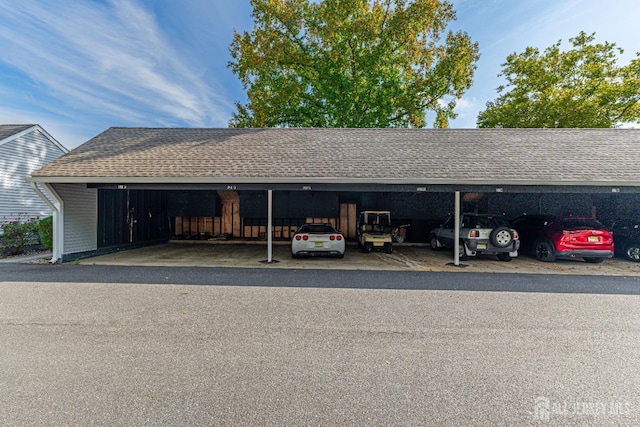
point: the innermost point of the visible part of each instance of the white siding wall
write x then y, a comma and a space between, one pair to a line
18, 159
80, 211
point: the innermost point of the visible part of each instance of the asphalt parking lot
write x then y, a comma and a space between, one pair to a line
87, 353
403, 258
277, 344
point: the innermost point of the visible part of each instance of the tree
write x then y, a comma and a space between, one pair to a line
350, 63
579, 88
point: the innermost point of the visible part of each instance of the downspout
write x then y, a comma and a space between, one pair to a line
56, 208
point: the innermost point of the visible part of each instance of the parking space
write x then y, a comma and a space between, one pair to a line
403, 258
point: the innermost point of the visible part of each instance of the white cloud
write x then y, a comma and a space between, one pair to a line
111, 58
467, 110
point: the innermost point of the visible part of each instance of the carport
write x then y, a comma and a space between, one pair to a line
123, 187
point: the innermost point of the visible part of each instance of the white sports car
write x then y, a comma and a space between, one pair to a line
317, 239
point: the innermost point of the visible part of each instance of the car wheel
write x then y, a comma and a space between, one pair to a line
504, 256
501, 237
388, 248
632, 251
462, 253
435, 244
544, 251
593, 260
367, 247
340, 256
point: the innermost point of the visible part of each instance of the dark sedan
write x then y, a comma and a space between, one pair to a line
626, 235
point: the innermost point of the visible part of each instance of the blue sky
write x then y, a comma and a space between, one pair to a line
78, 67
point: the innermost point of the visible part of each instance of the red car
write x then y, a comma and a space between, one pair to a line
550, 237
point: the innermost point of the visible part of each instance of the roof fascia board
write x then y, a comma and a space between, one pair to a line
52, 139
315, 180
18, 135
31, 129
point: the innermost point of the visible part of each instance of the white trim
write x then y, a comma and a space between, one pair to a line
32, 129
52, 139
58, 222
315, 180
18, 135
54, 209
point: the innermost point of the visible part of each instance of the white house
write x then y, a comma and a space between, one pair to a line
24, 149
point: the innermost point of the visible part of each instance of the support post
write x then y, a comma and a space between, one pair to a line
456, 231
270, 226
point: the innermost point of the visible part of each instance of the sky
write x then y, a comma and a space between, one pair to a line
78, 67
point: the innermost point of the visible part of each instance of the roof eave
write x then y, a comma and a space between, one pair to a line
319, 180
32, 128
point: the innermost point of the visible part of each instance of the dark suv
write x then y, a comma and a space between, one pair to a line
550, 237
626, 236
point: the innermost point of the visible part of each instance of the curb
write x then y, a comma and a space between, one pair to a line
19, 259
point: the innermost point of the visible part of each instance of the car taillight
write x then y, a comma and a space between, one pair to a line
568, 236
515, 234
474, 233
305, 237
332, 237
571, 232
298, 237
338, 237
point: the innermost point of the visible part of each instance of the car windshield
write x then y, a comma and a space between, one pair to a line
484, 221
580, 224
317, 229
377, 219
627, 225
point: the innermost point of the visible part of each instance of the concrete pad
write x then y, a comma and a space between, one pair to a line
404, 258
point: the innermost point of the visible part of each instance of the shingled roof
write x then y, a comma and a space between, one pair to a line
418, 156
7, 131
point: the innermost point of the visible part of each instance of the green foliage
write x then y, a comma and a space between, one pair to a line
45, 231
357, 63
17, 234
579, 88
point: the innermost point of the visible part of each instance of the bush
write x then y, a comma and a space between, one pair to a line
15, 235
45, 231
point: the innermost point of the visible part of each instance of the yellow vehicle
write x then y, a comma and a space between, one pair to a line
374, 231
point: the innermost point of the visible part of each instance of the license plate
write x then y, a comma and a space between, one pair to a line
482, 246
593, 239
319, 244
